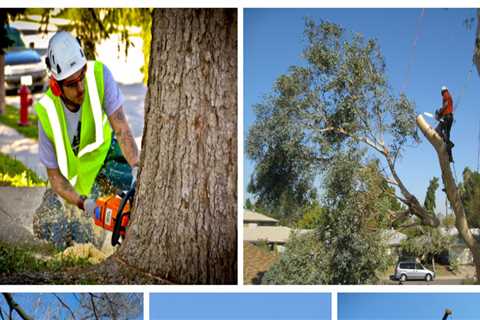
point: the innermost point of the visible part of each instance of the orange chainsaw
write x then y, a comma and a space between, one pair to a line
113, 213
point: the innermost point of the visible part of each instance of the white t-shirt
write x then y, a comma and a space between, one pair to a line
113, 99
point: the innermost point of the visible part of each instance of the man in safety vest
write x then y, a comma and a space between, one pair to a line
77, 115
444, 115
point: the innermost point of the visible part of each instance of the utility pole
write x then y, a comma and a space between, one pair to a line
446, 314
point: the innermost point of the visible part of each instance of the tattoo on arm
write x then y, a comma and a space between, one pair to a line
128, 145
119, 115
62, 186
124, 136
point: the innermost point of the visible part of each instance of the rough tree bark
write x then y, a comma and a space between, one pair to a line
184, 222
452, 191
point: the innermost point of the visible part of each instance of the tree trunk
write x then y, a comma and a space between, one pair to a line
2, 83
452, 191
184, 225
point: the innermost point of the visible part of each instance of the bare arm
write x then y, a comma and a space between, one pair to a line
63, 188
124, 136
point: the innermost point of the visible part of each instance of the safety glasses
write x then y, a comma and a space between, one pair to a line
73, 83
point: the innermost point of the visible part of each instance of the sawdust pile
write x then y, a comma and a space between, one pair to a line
84, 251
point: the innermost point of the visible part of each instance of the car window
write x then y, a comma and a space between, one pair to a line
419, 266
406, 265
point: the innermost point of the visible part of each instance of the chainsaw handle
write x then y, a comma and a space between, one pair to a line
118, 221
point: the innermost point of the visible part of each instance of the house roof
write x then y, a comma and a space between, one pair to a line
272, 234
252, 216
276, 234
256, 262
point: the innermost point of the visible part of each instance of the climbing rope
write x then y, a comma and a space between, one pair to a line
412, 51
455, 173
465, 84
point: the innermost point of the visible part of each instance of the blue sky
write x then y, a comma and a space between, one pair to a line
292, 306
36, 305
407, 306
273, 41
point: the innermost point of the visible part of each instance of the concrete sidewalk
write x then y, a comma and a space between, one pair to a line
17, 206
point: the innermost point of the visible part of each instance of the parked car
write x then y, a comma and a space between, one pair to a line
408, 270
21, 61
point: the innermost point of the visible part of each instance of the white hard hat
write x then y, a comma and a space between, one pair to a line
444, 88
64, 55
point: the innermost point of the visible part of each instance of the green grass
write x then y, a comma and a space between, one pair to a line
16, 259
11, 116
13, 173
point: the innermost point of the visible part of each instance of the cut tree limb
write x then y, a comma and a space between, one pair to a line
452, 191
410, 200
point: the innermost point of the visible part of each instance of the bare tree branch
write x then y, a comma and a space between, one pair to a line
15, 306
1, 313
65, 305
93, 306
407, 226
111, 304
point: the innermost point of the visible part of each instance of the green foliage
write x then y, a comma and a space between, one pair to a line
429, 203
312, 217
425, 242
470, 195
355, 218
337, 101
15, 259
248, 204
283, 177
454, 264
304, 262
348, 245
449, 221
11, 116
14, 173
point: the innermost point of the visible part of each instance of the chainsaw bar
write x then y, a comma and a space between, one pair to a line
118, 228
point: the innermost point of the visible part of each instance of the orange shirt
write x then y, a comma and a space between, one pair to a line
447, 105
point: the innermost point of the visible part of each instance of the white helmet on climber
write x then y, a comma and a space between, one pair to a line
64, 55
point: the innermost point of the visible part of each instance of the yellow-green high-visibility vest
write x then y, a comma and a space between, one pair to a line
95, 135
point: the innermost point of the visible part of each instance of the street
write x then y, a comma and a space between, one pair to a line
446, 281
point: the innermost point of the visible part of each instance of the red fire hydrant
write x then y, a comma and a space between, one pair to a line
25, 101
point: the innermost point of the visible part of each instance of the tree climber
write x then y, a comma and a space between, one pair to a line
444, 116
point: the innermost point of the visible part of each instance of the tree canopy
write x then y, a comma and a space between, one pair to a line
338, 101
470, 195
